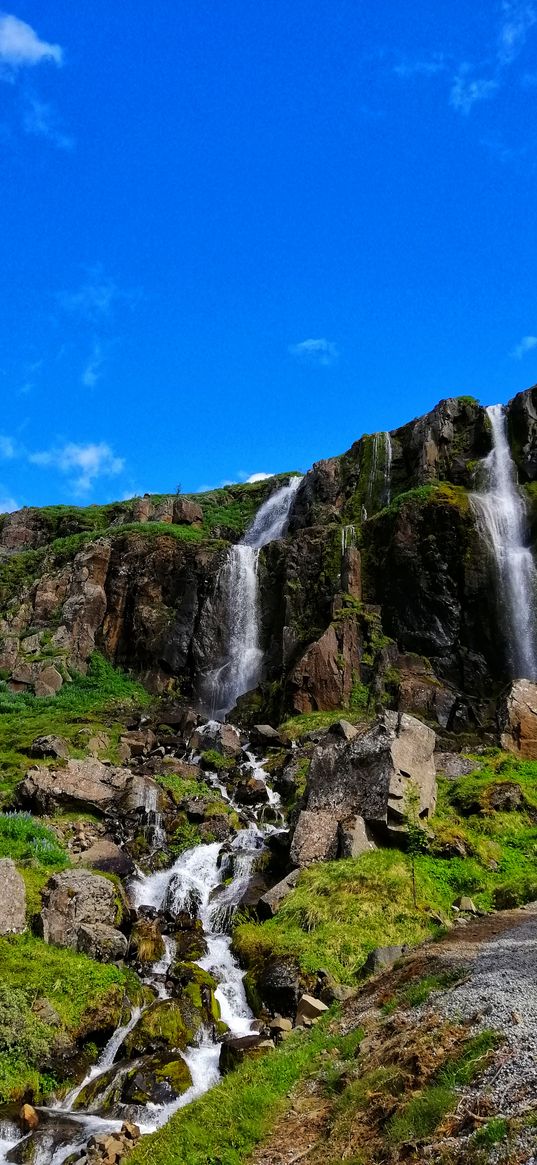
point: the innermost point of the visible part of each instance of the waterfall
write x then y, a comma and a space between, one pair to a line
348, 538
380, 472
241, 668
501, 516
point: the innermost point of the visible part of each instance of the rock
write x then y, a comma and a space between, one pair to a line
370, 775
280, 986
139, 743
264, 734
466, 905
87, 784
315, 838
28, 1118
130, 1130
323, 678
187, 513
272, 899
106, 856
48, 682
518, 718
104, 943
253, 791
235, 1049
453, 764
12, 899
505, 796
79, 911
158, 1079
381, 958
279, 1024
354, 838
309, 1008
344, 729
224, 738
44, 747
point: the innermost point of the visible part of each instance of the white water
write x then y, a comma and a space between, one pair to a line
382, 449
348, 538
501, 515
241, 668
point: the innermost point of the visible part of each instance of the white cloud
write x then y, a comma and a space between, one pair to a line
7, 448
21, 47
86, 462
258, 477
41, 120
466, 92
519, 17
321, 351
94, 300
7, 503
526, 344
93, 370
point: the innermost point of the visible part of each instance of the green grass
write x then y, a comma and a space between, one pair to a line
87, 997
493, 1133
223, 1127
297, 726
98, 700
25, 839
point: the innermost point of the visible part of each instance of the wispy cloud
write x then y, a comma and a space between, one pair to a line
258, 477
8, 448
466, 90
41, 119
526, 344
424, 67
320, 351
84, 464
92, 372
519, 16
7, 502
21, 47
96, 297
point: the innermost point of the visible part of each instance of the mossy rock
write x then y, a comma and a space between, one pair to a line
198, 990
168, 1024
158, 1080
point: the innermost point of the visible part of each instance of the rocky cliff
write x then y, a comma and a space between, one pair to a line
382, 589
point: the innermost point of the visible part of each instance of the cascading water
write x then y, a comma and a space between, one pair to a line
241, 668
379, 484
501, 515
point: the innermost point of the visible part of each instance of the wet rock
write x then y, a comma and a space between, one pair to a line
223, 738
272, 899
279, 986
147, 941
315, 838
518, 718
45, 747
12, 898
252, 791
158, 1079
309, 1009
77, 905
264, 735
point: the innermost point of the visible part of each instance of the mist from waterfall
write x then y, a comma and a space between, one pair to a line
501, 515
242, 666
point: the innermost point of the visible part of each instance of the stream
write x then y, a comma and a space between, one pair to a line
213, 877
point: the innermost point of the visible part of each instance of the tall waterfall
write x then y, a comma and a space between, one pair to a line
241, 668
380, 473
501, 515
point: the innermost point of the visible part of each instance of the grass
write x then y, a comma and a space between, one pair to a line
86, 996
25, 839
223, 1127
298, 726
103, 695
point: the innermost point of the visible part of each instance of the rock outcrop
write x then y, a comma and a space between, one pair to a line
519, 720
84, 784
79, 911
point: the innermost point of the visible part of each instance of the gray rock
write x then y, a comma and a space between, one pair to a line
105, 855
265, 734
315, 838
48, 682
344, 729
354, 838
12, 898
224, 738
381, 958
44, 747
104, 943
453, 764
76, 905
87, 784
270, 902
371, 774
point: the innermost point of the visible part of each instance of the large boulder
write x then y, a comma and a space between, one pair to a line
365, 782
187, 513
87, 784
223, 738
79, 911
12, 898
519, 720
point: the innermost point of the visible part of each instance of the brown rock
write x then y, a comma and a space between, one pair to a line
323, 678
187, 513
12, 898
315, 838
28, 1118
519, 720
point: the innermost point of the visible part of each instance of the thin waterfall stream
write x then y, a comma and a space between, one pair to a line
501, 516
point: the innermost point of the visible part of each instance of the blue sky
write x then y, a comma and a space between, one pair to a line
237, 235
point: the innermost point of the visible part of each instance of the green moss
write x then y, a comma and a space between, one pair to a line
211, 759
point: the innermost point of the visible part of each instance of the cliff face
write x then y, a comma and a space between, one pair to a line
382, 590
